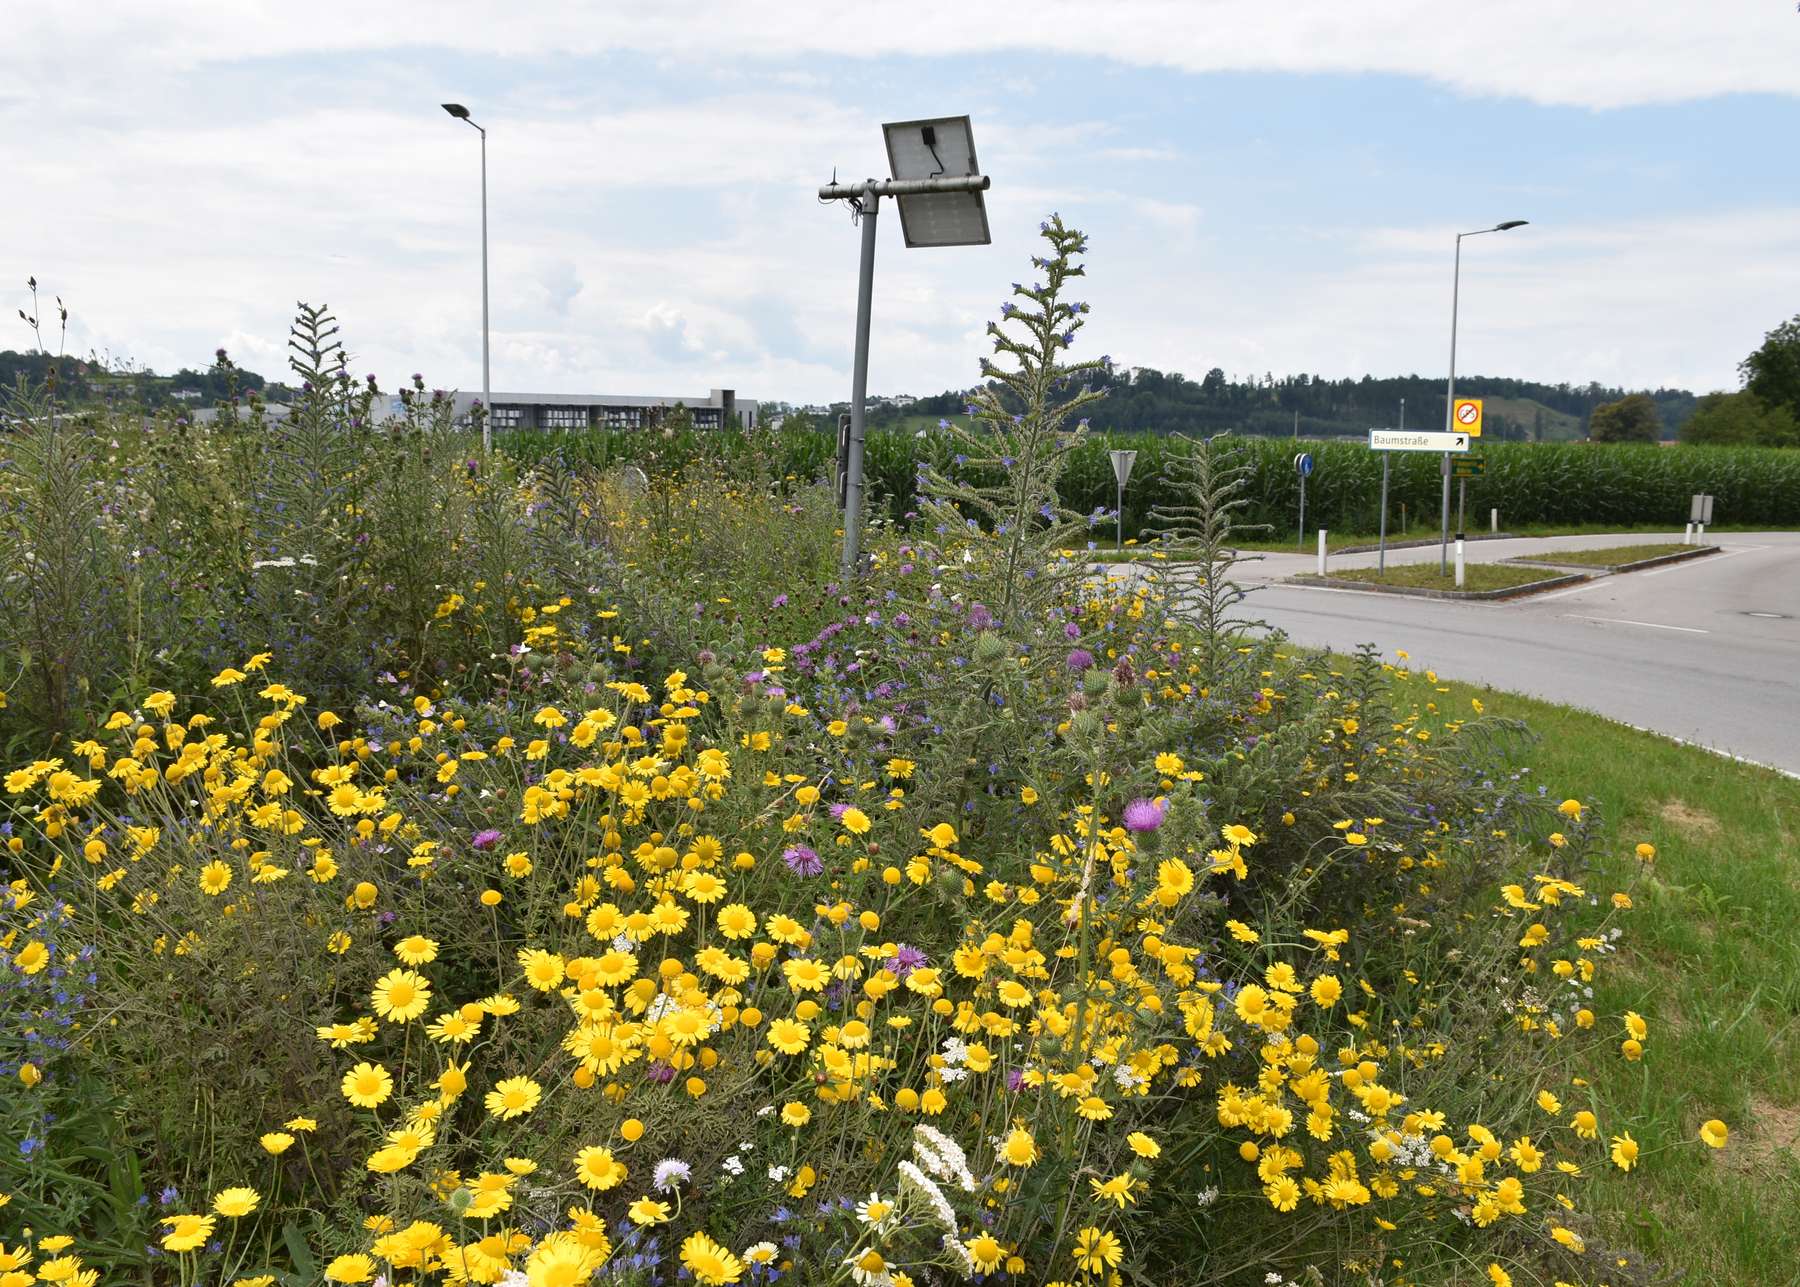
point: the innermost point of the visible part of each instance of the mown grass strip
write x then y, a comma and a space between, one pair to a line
1712, 960
1611, 557
1425, 576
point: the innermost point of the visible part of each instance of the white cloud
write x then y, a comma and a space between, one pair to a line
1597, 53
184, 186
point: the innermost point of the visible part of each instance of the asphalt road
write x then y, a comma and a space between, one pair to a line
1707, 651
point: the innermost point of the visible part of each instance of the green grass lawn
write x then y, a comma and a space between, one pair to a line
1612, 555
1711, 958
1425, 576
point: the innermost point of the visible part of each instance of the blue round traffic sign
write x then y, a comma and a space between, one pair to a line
1303, 464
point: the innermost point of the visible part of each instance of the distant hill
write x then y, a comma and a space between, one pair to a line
1144, 399
92, 382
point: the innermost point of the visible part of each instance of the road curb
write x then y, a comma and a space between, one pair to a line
1680, 556
1414, 543
1419, 592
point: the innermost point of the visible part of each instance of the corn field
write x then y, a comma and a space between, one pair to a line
1527, 482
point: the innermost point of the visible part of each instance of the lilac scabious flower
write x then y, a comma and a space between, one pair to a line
486, 839
802, 860
1145, 815
669, 1173
1080, 659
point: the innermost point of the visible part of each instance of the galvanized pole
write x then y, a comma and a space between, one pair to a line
859, 387
1381, 560
487, 386
1450, 408
1121, 514
1300, 539
1462, 501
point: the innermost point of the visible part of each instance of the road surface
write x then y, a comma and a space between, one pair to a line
1707, 651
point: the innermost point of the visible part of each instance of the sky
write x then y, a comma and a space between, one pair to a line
1267, 188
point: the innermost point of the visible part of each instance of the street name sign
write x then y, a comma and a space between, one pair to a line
1408, 440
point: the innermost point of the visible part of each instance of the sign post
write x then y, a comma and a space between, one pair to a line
1465, 418
1122, 461
1303, 465
1700, 511
1386, 440
1381, 558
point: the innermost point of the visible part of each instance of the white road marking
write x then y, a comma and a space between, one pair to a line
1585, 586
1652, 625
1713, 750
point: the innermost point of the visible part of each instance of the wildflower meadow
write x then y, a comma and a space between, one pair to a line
427, 868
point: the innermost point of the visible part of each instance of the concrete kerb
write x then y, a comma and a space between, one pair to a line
1419, 592
1414, 543
1680, 556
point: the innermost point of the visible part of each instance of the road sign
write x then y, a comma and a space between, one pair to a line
1469, 466
1700, 509
1122, 461
1468, 416
1407, 440
1303, 464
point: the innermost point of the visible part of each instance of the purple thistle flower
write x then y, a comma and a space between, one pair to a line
1145, 815
486, 839
1080, 659
802, 860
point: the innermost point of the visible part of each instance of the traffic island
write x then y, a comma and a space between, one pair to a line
1481, 581
1617, 558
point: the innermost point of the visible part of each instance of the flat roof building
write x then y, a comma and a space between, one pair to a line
564, 411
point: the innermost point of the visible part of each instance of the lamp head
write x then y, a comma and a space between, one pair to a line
457, 110
1511, 223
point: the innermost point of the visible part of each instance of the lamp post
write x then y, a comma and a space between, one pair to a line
461, 113
937, 187
1450, 394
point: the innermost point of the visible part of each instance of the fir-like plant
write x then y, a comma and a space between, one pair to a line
1209, 481
1010, 458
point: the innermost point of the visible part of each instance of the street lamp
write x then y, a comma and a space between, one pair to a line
461, 113
938, 187
1450, 394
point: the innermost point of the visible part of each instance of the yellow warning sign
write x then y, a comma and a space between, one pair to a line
1468, 417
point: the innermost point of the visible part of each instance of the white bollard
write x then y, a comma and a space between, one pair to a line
1321, 551
1687, 535
1459, 563
1493, 520
1699, 533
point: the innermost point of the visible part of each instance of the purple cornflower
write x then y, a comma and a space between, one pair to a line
1145, 815
905, 960
486, 839
802, 860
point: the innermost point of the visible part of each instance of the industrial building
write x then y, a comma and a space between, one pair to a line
550, 412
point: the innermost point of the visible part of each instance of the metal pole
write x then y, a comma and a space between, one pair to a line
859, 386
487, 385
1450, 407
1381, 560
1300, 540
1462, 501
1121, 516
